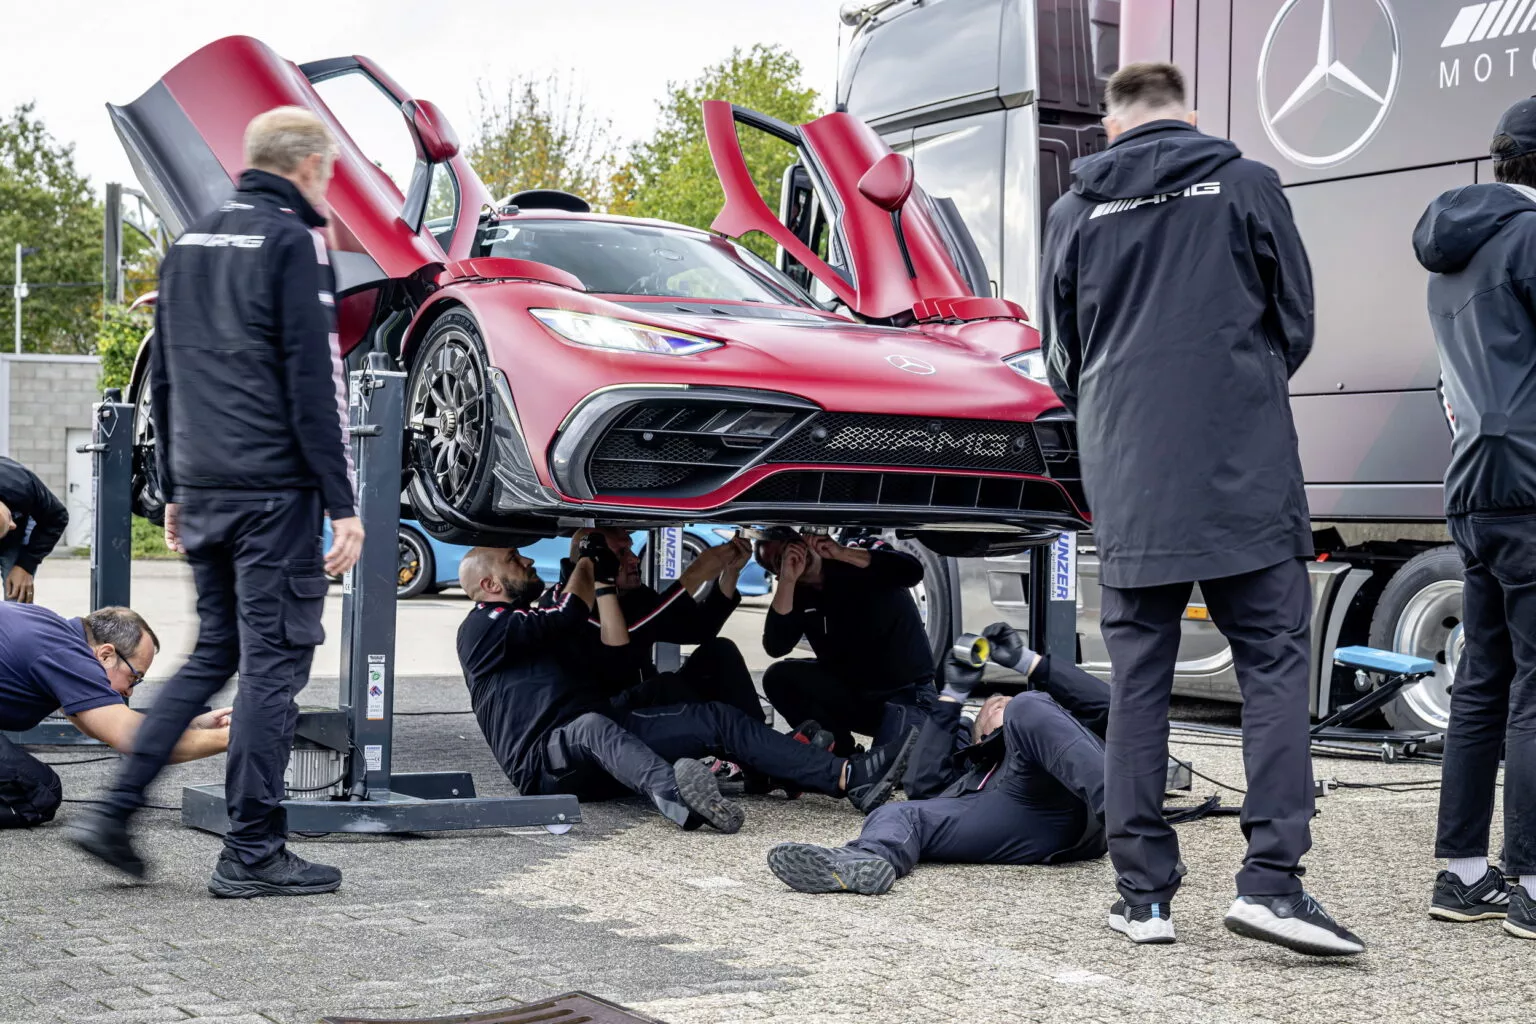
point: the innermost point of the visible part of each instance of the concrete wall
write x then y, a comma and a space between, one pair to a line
41, 398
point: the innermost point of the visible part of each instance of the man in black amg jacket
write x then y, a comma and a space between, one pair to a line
873, 670
32, 519
250, 413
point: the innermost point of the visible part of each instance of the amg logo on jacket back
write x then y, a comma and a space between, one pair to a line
1205, 188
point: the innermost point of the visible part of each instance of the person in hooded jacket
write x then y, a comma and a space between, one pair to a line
1176, 302
1024, 784
1479, 245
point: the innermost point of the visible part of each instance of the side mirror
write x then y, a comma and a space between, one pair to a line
436, 141
888, 183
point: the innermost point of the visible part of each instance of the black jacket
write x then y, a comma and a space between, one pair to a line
1176, 302
1479, 244
673, 617
517, 664
247, 390
863, 626
30, 502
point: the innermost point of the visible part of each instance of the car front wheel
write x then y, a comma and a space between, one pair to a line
448, 400
417, 569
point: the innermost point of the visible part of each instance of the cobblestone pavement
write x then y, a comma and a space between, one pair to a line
692, 928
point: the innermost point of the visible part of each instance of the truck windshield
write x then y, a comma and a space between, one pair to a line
634, 259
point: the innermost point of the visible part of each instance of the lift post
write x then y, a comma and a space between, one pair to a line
1053, 598
111, 450
355, 741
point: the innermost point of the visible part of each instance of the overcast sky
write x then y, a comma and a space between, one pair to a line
73, 56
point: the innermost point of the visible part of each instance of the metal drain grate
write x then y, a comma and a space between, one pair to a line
571, 1008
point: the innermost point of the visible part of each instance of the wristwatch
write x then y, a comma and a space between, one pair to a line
605, 591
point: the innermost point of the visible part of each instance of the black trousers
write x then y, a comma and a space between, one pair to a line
261, 589
801, 688
595, 757
1266, 617
30, 792
714, 671
1033, 809
1493, 700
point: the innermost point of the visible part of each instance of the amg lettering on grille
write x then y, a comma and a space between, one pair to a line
865, 439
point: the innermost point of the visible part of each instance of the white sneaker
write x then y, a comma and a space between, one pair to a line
1142, 922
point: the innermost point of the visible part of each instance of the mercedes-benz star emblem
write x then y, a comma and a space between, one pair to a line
1301, 127
911, 365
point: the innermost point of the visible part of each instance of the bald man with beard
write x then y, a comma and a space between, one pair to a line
553, 730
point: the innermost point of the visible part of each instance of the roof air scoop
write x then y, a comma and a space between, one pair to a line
546, 199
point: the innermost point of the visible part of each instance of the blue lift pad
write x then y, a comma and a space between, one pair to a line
1389, 662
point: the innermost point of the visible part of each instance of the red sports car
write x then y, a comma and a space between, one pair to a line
567, 365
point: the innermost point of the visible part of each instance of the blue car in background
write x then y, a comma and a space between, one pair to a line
428, 565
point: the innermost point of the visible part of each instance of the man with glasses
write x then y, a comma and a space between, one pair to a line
86, 668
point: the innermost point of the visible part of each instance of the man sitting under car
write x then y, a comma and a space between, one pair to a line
679, 615
1023, 785
86, 668
873, 670
553, 730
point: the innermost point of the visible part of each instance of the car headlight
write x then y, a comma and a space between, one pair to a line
620, 335
1030, 364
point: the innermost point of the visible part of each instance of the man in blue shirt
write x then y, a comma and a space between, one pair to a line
85, 668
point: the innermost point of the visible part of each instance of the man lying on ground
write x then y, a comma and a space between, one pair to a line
553, 731
1024, 785
86, 668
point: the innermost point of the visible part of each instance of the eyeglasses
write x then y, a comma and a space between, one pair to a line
135, 676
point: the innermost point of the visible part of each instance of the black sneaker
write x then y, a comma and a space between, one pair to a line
811, 732
807, 868
283, 874
1521, 920
1295, 921
699, 790
1143, 923
1486, 899
105, 837
872, 777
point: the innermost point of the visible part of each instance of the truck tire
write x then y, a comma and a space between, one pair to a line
1419, 613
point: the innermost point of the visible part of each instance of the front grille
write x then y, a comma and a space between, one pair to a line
861, 439
684, 447
908, 490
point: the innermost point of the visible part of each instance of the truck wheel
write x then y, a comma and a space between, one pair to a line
1419, 613
933, 597
417, 570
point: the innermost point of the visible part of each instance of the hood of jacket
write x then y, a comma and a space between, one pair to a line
1461, 221
1153, 159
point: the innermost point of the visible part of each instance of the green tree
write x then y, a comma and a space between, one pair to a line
671, 176
117, 342
47, 204
541, 134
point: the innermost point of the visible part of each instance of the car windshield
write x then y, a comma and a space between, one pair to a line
637, 259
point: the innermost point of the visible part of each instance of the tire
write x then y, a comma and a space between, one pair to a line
145, 496
934, 596
417, 570
1419, 613
448, 393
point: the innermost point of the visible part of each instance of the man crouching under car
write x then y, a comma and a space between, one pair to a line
553, 731
1024, 785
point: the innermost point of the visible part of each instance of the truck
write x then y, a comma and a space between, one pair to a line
1368, 109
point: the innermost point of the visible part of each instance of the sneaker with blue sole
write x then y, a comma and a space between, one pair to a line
1143, 923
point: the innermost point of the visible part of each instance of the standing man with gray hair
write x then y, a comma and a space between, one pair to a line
250, 413
1176, 303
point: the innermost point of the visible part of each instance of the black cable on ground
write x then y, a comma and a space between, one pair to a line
1214, 782
83, 760
422, 714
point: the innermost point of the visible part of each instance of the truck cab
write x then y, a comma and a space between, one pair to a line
993, 100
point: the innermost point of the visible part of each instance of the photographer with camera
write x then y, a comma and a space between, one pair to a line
553, 730
691, 611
